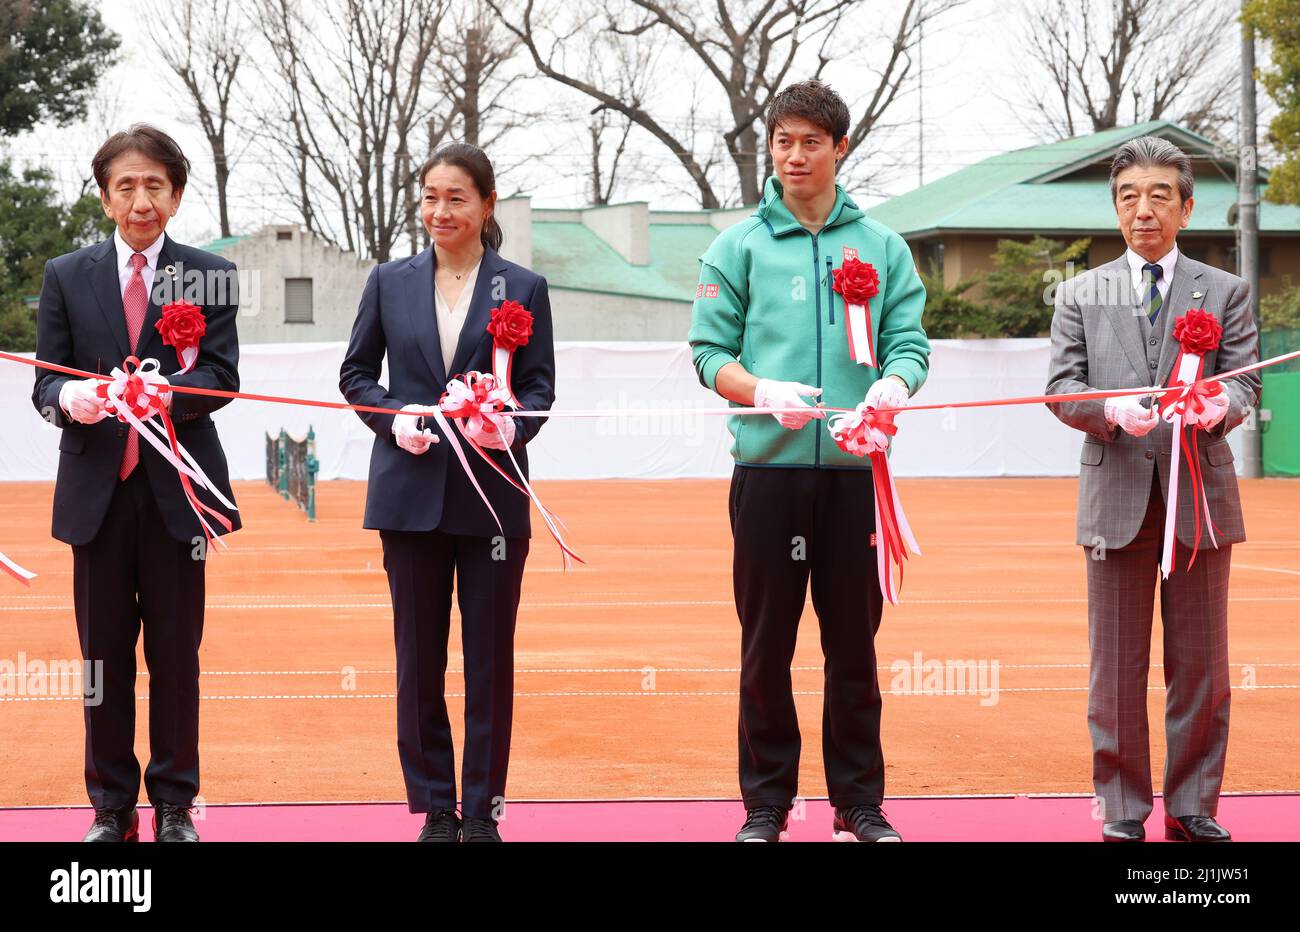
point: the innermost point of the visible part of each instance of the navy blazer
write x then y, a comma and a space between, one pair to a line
80, 323
397, 316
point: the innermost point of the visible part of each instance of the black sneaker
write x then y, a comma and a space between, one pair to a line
863, 823
443, 825
480, 830
765, 823
114, 825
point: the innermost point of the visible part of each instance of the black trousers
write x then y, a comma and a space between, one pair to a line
488, 573
132, 575
791, 524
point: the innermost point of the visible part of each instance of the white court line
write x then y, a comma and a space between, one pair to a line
1265, 569
643, 693
603, 670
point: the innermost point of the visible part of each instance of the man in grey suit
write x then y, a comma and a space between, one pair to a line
1113, 328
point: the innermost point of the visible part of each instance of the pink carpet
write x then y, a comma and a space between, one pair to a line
1003, 818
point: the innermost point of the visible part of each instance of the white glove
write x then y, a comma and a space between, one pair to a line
409, 437
770, 394
497, 439
80, 401
164, 390
1216, 407
887, 393
1132, 418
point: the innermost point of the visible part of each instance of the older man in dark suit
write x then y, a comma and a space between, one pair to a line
138, 548
1113, 328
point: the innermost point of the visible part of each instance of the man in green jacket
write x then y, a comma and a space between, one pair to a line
770, 330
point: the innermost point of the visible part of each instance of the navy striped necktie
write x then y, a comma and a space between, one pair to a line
1151, 273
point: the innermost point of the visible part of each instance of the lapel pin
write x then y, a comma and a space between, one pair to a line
1198, 294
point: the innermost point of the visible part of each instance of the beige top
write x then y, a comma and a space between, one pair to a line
451, 320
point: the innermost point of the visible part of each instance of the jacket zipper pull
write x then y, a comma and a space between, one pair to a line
830, 290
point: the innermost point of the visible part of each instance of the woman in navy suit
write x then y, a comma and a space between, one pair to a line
429, 314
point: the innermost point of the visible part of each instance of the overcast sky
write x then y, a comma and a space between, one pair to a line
969, 75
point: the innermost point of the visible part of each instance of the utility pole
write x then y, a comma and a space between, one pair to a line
1248, 226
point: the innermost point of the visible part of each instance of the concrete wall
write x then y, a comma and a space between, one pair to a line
265, 261
585, 315
515, 215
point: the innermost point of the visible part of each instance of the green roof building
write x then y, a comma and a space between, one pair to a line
1060, 190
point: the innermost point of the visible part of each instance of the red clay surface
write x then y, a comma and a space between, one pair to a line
627, 667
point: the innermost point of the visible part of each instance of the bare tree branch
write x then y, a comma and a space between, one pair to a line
202, 43
1098, 54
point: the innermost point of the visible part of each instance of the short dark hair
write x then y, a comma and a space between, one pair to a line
475, 163
149, 141
813, 101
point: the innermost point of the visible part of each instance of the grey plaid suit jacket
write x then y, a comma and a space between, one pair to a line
1097, 343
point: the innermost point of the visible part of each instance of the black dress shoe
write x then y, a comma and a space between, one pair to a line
440, 826
479, 830
172, 823
1124, 830
115, 825
1194, 828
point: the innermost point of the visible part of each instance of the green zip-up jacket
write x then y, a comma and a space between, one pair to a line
765, 299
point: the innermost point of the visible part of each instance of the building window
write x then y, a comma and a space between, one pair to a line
932, 258
297, 301
1233, 264
284, 235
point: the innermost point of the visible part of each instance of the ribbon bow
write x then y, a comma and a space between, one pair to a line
134, 394
476, 400
133, 391
864, 432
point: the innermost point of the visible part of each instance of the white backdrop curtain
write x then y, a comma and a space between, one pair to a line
638, 378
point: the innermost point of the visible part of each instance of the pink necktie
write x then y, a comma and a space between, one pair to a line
135, 301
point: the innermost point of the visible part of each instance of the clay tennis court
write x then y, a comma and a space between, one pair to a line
627, 672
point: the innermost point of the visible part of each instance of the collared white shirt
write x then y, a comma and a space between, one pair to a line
124, 254
451, 320
1166, 263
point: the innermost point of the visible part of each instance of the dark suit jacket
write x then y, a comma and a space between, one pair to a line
397, 316
80, 323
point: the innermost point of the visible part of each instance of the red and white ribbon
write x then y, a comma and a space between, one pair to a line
858, 327
17, 572
134, 395
904, 531
188, 356
511, 326
476, 402
865, 432
503, 363
858, 282
1173, 407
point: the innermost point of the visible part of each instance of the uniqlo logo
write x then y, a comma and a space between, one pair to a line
711, 291
699, 291
850, 252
